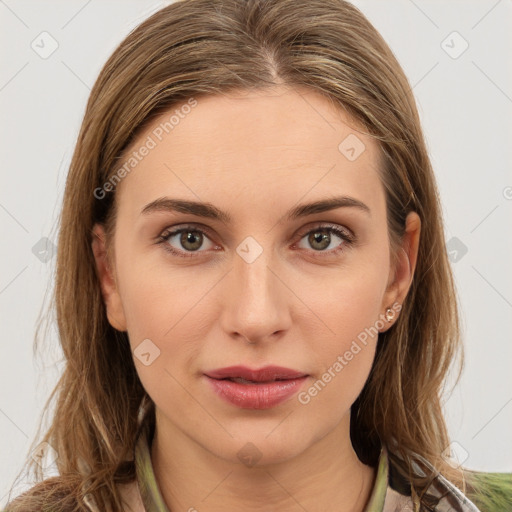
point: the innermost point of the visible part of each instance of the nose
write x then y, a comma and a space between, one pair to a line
257, 300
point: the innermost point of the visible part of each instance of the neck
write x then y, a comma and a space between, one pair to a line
327, 476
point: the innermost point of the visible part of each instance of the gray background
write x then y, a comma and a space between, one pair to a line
465, 103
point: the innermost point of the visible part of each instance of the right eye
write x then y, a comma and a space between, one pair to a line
188, 238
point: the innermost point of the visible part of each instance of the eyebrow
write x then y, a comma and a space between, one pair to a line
210, 211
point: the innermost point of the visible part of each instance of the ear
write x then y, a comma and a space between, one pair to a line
400, 278
109, 291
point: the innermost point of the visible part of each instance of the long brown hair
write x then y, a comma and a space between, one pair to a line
206, 47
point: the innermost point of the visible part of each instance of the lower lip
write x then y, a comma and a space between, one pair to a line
256, 396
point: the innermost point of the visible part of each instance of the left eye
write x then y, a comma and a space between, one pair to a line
191, 240
321, 238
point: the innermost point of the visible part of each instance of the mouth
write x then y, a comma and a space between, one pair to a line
255, 389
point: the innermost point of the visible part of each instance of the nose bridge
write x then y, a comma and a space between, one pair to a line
256, 306
255, 279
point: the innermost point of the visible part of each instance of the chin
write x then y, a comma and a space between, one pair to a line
261, 447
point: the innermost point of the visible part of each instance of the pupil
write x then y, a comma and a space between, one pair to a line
188, 237
319, 237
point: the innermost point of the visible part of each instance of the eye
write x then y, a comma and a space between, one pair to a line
321, 238
189, 239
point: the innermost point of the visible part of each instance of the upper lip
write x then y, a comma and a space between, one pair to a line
267, 373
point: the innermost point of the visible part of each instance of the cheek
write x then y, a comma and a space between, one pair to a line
156, 297
350, 311
347, 302
149, 307
345, 358
167, 317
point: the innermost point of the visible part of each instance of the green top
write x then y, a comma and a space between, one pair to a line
390, 493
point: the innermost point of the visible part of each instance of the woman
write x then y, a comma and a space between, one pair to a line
253, 294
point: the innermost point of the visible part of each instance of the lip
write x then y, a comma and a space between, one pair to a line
270, 385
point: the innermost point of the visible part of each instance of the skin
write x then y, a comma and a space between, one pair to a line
255, 155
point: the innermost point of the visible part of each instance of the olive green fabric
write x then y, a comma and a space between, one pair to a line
492, 492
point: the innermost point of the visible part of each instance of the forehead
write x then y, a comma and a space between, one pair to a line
271, 146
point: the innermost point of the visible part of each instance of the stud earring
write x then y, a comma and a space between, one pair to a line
390, 314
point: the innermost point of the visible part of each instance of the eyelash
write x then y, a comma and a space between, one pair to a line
347, 237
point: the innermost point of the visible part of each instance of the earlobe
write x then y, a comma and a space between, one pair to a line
109, 291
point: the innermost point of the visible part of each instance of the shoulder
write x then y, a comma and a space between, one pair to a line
489, 491
45, 496
49, 496
484, 492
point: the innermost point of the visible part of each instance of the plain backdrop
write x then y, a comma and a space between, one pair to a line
457, 57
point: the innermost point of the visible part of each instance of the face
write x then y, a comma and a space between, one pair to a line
263, 282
